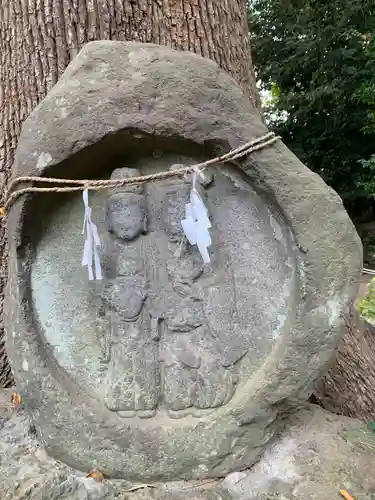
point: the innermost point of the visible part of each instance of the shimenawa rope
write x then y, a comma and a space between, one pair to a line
81, 185
95, 185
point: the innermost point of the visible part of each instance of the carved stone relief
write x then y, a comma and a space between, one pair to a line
168, 369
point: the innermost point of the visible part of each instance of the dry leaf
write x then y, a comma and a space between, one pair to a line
346, 495
97, 475
16, 398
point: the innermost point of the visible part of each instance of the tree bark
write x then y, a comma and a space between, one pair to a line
348, 388
38, 39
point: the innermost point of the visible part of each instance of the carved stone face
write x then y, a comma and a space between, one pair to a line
164, 332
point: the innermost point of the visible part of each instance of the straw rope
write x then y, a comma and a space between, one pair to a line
94, 185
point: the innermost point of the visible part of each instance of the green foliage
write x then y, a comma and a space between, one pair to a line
317, 60
367, 181
366, 306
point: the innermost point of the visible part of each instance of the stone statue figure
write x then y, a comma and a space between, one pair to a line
168, 369
157, 342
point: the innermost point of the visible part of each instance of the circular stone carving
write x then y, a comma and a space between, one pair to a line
165, 334
168, 369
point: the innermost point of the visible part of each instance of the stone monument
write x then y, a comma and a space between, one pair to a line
169, 368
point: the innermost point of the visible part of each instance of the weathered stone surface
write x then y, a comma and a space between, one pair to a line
125, 173
317, 455
169, 369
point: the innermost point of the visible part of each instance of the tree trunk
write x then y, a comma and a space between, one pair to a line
348, 388
38, 39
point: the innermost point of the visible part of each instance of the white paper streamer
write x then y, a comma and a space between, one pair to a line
196, 223
92, 242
